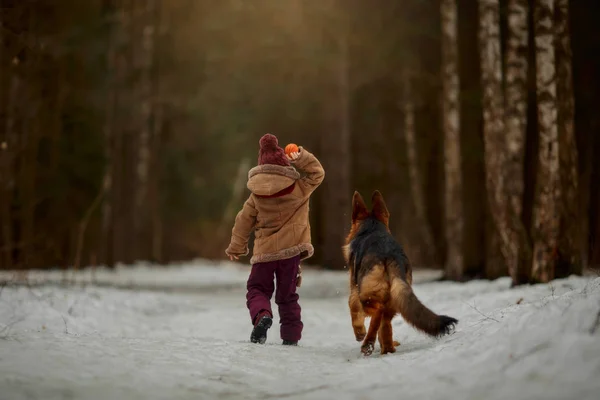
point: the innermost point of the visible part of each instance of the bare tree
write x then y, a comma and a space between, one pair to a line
29, 140
122, 238
144, 59
548, 192
107, 256
158, 94
452, 153
570, 246
414, 171
516, 125
335, 147
8, 149
493, 128
112, 136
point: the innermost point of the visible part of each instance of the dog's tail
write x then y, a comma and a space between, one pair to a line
415, 313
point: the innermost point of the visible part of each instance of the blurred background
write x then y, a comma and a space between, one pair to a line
127, 127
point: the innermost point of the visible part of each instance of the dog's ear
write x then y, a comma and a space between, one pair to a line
379, 208
359, 208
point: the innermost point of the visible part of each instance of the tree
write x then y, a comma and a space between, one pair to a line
335, 148
414, 171
477, 224
113, 222
493, 128
10, 87
586, 84
107, 255
144, 62
155, 167
451, 121
516, 130
546, 216
8, 147
332, 71
570, 246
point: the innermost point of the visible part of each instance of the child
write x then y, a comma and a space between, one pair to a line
277, 210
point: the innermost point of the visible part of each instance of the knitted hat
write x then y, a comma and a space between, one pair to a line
270, 152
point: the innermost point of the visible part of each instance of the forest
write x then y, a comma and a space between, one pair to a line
127, 127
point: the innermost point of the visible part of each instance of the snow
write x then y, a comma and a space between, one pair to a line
182, 332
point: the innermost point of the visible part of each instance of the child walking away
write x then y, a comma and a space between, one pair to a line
277, 211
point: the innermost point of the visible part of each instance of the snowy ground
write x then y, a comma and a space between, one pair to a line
127, 338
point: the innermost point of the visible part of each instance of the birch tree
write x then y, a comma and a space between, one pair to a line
452, 155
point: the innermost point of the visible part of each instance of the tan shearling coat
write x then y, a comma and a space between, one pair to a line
277, 211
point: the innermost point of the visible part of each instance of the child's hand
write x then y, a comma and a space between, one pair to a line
293, 156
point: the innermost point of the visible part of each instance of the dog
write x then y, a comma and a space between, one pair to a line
381, 279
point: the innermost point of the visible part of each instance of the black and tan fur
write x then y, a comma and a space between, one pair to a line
381, 279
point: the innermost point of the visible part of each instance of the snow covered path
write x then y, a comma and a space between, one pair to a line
98, 342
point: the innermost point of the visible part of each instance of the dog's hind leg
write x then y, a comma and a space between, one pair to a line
395, 343
369, 342
374, 294
386, 340
357, 314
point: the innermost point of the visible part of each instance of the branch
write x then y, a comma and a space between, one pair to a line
84, 222
482, 314
65, 321
7, 327
596, 324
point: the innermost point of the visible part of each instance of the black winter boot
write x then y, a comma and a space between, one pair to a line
261, 326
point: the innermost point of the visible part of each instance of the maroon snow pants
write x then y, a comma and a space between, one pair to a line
261, 285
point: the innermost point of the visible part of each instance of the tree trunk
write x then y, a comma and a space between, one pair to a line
121, 240
107, 252
108, 209
144, 58
27, 190
547, 202
452, 153
585, 39
414, 171
335, 153
154, 189
8, 154
493, 134
27, 163
473, 160
156, 241
516, 130
570, 246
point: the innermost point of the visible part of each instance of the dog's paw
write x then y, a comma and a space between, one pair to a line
360, 333
367, 349
390, 348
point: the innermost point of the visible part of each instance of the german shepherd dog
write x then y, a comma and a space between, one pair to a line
381, 279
